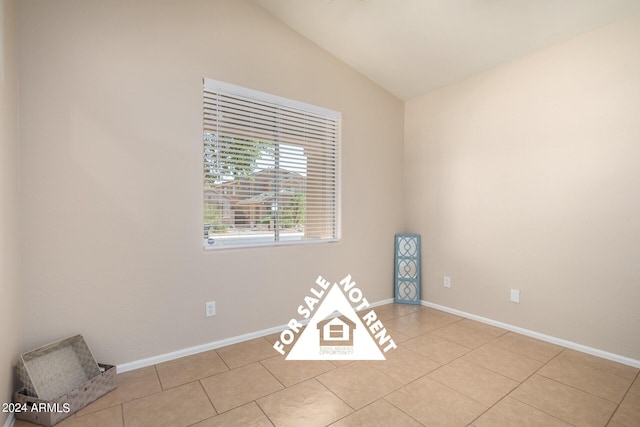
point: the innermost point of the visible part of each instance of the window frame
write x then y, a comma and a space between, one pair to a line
211, 86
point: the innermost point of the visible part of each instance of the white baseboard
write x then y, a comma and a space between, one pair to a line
153, 360
548, 338
382, 302
10, 420
137, 364
149, 361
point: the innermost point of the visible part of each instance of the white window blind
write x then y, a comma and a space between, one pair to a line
270, 169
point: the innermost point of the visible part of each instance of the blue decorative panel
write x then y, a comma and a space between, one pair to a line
407, 269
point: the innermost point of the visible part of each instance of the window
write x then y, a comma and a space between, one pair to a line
270, 169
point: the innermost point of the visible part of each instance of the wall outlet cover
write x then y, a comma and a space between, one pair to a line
515, 295
210, 309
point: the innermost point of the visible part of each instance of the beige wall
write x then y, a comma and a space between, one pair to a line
528, 177
9, 202
111, 122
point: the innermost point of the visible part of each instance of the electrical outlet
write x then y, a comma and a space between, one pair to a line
515, 295
210, 309
447, 281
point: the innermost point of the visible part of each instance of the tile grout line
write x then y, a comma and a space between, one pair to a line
520, 384
598, 369
380, 398
122, 403
474, 349
489, 369
155, 367
354, 410
262, 410
526, 379
208, 398
223, 361
463, 394
561, 383
442, 365
637, 378
338, 397
400, 409
579, 389
405, 385
518, 354
284, 387
449, 362
254, 400
133, 400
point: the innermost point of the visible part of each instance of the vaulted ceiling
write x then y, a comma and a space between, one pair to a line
412, 46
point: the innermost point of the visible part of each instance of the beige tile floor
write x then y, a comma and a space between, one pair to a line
447, 371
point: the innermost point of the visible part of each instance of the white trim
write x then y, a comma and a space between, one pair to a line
211, 249
548, 338
11, 419
382, 302
137, 364
153, 360
218, 86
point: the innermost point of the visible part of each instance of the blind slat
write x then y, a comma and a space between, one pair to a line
270, 168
